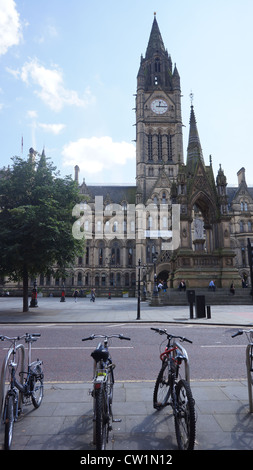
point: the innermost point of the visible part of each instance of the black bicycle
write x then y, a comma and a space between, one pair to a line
28, 389
102, 393
172, 390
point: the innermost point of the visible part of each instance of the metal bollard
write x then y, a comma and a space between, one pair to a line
208, 311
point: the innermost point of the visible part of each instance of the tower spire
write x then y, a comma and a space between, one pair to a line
155, 43
194, 150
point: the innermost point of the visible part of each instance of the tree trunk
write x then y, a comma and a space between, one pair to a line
25, 290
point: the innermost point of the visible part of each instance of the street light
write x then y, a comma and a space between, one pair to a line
155, 291
139, 291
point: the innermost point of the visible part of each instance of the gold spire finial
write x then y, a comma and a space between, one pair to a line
191, 98
154, 13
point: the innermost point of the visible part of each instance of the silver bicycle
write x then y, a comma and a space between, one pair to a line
28, 388
249, 362
102, 393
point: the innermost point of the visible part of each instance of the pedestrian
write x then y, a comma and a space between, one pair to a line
165, 287
92, 295
232, 288
75, 294
182, 285
212, 286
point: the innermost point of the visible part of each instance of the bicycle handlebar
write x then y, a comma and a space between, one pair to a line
106, 336
239, 332
27, 336
169, 336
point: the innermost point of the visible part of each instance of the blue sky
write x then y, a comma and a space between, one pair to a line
68, 75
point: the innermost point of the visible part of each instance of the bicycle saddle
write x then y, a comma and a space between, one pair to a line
100, 354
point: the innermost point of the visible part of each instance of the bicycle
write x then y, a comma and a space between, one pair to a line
172, 390
28, 389
249, 362
102, 393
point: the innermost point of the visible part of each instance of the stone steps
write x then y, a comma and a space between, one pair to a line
219, 297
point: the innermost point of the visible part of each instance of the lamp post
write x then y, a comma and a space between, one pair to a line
139, 291
155, 290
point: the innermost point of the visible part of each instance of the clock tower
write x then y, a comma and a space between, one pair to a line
159, 141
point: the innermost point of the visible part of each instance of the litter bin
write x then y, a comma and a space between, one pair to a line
200, 306
191, 296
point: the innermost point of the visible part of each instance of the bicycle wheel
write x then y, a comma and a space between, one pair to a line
185, 420
37, 389
102, 418
251, 363
162, 388
9, 421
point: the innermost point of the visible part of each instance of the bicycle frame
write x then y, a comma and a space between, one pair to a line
5, 365
249, 363
178, 359
103, 378
173, 348
10, 363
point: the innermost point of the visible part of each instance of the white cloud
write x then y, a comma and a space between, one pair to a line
10, 26
32, 114
51, 86
97, 153
53, 128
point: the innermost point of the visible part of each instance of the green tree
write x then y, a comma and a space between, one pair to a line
36, 221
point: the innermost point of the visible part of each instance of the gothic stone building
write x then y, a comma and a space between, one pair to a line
215, 220
135, 230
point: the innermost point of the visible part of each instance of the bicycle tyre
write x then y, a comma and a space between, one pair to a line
9, 422
185, 419
37, 391
101, 419
251, 364
162, 390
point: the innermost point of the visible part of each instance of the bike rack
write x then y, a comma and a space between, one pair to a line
248, 365
186, 361
3, 375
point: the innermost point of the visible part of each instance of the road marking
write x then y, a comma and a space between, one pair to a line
75, 347
223, 346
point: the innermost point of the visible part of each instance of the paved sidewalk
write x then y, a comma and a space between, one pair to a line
64, 420
51, 310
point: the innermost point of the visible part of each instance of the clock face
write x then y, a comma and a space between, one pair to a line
159, 106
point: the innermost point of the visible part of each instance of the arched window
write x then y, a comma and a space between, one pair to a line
159, 147
100, 256
79, 279
157, 65
150, 147
118, 280
115, 255
169, 147
130, 256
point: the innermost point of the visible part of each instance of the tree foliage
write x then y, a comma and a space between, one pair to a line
36, 220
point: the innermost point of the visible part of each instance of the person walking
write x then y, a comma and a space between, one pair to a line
75, 295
